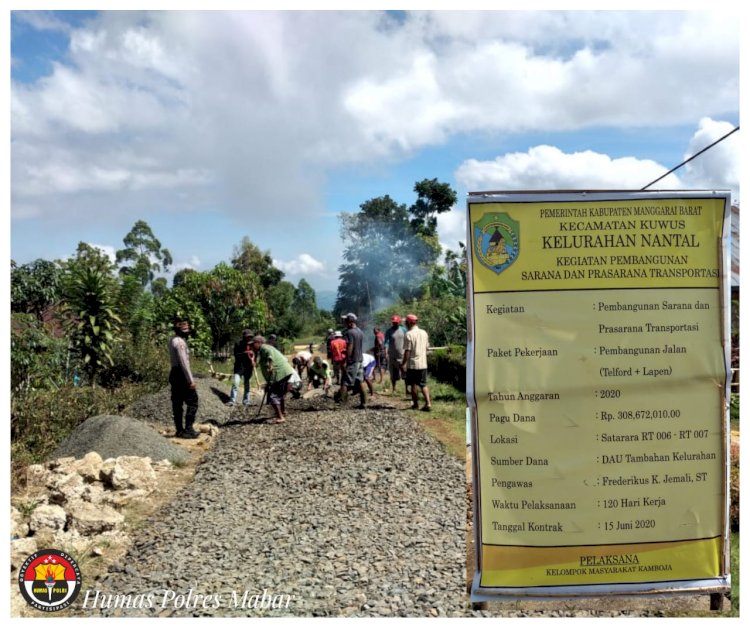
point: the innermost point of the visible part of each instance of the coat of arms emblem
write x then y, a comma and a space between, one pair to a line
496, 241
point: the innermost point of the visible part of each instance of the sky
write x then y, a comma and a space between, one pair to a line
217, 125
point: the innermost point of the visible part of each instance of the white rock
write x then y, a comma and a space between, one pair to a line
124, 497
207, 428
128, 472
65, 487
71, 540
60, 462
47, 517
36, 475
162, 465
89, 467
88, 519
19, 527
94, 493
20, 550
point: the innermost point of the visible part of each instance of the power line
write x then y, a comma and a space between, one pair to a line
721, 139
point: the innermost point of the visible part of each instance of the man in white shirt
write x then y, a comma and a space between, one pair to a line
301, 360
368, 367
414, 363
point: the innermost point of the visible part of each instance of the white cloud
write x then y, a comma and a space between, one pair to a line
41, 20
718, 167
452, 228
547, 71
108, 250
303, 264
251, 109
194, 263
549, 168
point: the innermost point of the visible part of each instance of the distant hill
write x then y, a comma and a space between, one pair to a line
325, 299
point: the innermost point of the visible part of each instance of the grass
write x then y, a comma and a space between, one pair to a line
447, 421
735, 570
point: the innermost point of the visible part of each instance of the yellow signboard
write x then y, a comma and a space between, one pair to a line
598, 388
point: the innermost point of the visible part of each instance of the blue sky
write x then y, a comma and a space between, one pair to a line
213, 126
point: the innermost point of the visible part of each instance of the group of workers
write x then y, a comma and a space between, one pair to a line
403, 351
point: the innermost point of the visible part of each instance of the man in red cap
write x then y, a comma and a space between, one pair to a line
394, 342
414, 363
338, 356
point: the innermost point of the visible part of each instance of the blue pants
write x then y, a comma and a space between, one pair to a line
236, 386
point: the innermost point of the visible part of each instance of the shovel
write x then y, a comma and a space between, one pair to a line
262, 401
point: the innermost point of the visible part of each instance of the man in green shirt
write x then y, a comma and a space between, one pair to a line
276, 371
318, 374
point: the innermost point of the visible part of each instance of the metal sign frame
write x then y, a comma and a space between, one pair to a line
721, 582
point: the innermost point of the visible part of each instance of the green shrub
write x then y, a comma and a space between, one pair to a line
145, 362
37, 357
449, 365
443, 318
42, 419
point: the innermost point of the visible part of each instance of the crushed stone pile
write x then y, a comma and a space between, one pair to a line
212, 397
112, 436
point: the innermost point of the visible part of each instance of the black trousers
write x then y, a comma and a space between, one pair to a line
182, 395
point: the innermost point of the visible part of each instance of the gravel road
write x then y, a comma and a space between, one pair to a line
337, 512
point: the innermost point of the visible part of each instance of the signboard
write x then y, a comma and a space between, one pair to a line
598, 389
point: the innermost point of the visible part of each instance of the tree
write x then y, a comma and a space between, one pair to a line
143, 255
34, 287
136, 308
179, 276
90, 291
159, 287
92, 320
389, 249
304, 305
91, 257
249, 258
433, 198
450, 279
282, 319
180, 303
376, 249
229, 299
